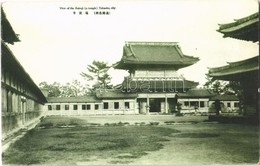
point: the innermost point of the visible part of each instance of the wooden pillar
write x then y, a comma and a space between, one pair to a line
147, 104
175, 85
23, 114
77, 108
60, 109
23, 102
134, 105
9, 101
189, 103
123, 105
166, 104
71, 109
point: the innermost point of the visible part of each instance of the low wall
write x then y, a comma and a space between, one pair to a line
9, 122
13, 121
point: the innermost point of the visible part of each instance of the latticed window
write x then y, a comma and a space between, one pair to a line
105, 105
116, 105
49, 107
57, 107
67, 107
228, 104
96, 107
202, 104
186, 103
127, 105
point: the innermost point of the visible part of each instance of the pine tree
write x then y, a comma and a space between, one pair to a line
97, 73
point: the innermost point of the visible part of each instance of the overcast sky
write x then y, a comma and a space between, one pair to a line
56, 44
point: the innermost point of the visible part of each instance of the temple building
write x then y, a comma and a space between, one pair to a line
22, 100
153, 75
152, 87
153, 84
245, 71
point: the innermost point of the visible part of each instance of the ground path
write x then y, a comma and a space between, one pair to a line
132, 119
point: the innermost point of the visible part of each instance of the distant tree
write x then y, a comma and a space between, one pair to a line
70, 89
234, 87
54, 89
216, 86
223, 87
73, 89
97, 73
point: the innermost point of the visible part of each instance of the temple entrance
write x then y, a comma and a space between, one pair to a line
155, 105
160, 104
172, 105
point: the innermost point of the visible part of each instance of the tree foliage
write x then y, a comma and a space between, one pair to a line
97, 74
70, 89
53, 89
73, 89
234, 87
223, 87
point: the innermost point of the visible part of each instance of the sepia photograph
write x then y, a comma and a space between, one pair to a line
148, 82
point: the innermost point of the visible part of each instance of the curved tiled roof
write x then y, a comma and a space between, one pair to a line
235, 68
244, 29
114, 94
154, 54
196, 93
224, 98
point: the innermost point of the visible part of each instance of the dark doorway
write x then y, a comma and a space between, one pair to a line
172, 105
155, 105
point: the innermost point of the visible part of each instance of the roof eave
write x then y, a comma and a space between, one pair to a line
8, 35
18, 67
240, 21
238, 27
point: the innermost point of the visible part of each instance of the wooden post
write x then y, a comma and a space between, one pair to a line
166, 104
134, 105
147, 104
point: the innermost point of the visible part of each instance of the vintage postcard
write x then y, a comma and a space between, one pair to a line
146, 82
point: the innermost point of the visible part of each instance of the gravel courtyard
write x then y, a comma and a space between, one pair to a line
134, 140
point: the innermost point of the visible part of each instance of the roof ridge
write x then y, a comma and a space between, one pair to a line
238, 21
152, 43
132, 51
177, 47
